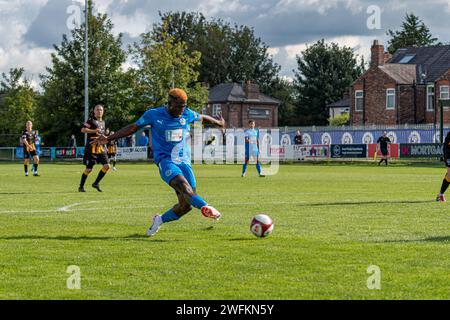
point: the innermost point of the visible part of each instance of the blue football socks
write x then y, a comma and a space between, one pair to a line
169, 216
197, 202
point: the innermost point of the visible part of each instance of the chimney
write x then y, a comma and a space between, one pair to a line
387, 57
251, 90
378, 56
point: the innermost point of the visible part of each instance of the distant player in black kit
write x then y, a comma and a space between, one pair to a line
94, 153
383, 142
29, 149
446, 181
112, 150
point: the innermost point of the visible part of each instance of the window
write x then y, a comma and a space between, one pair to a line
359, 100
390, 99
430, 98
217, 108
444, 90
254, 113
407, 58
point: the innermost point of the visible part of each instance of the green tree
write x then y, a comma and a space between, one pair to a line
413, 33
324, 72
228, 53
285, 91
61, 107
341, 120
162, 65
17, 104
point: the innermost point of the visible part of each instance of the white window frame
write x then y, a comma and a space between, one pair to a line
216, 108
390, 93
356, 100
440, 93
429, 94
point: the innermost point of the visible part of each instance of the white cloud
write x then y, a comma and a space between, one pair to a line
286, 26
215, 7
286, 55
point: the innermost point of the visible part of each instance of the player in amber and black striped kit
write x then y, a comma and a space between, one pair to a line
112, 150
29, 149
446, 182
94, 153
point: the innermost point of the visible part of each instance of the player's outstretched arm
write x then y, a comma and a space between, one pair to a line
219, 121
124, 132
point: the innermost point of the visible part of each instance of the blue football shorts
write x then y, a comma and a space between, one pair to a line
168, 169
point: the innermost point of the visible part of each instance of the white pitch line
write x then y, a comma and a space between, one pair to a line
66, 208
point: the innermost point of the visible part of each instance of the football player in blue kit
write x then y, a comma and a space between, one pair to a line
169, 126
252, 147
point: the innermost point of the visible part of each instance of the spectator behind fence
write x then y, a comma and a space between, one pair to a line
72, 142
133, 140
143, 140
298, 138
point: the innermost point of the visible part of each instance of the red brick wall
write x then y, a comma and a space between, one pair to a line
376, 83
375, 99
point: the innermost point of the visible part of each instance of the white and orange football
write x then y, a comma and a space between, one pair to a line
261, 225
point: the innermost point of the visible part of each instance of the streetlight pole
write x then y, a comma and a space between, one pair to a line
86, 66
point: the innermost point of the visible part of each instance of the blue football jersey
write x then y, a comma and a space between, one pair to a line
252, 135
169, 133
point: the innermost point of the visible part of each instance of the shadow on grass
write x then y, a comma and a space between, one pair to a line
132, 237
350, 203
429, 239
243, 239
39, 192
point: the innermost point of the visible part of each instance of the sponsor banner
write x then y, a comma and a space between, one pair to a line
65, 153
46, 153
393, 148
19, 152
133, 153
299, 152
421, 150
359, 136
80, 152
278, 151
349, 151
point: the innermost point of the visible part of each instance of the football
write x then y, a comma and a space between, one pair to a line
261, 225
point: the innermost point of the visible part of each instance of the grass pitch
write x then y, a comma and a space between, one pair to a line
331, 223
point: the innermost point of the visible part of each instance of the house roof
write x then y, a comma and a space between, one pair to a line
340, 104
233, 92
401, 73
432, 62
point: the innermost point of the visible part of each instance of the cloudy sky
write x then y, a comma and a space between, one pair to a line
28, 28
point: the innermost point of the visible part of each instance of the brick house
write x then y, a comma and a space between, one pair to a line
239, 103
402, 89
340, 107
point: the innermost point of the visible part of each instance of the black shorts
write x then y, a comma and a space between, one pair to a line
29, 154
90, 160
111, 155
384, 152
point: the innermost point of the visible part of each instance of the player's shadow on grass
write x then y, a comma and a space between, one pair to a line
39, 192
132, 237
429, 239
350, 203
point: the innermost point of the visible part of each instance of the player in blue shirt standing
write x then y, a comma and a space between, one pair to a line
251, 147
169, 126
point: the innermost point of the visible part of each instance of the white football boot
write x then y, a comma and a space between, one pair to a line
157, 222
